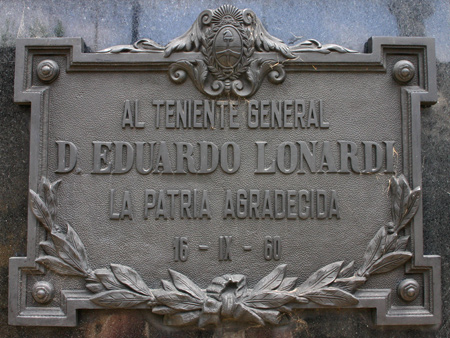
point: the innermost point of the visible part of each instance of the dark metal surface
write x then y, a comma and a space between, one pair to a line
273, 298
328, 323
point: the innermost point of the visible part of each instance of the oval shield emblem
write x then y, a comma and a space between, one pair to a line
228, 46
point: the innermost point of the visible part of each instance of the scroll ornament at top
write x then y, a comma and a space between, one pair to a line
228, 38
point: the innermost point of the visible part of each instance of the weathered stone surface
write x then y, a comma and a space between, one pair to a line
105, 23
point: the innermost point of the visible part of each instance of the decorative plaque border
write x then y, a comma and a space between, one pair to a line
197, 56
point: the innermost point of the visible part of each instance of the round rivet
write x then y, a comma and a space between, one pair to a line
47, 70
43, 292
408, 289
404, 71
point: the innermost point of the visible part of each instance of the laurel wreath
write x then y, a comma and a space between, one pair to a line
228, 297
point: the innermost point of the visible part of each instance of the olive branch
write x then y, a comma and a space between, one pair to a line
228, 297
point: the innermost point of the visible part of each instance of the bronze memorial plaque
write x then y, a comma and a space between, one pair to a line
225, 177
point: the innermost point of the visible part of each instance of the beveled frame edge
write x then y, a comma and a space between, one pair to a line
78, 60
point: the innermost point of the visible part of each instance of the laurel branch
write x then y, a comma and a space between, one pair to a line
228, 297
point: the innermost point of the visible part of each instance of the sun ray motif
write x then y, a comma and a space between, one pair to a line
230, 43
226, 11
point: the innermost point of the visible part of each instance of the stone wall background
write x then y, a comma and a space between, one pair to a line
104, 23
